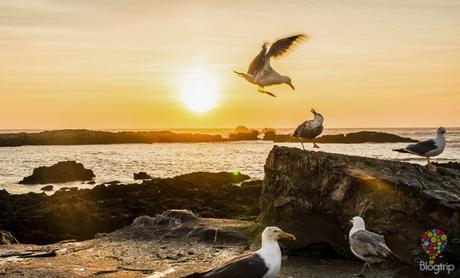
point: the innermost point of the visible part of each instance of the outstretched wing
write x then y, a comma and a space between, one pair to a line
281, 46
258, 62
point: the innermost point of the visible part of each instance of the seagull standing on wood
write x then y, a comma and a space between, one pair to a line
429, 148
310, 129
260, 71
368, 246
266, 262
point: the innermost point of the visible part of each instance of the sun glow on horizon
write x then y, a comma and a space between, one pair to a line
199, 92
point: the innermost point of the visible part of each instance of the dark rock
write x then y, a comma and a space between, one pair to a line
315, 194
47, 188
85, 137
142, 176
7, 238
350, 138
64, 171
241, 129
449, 165
81, 213
253, 135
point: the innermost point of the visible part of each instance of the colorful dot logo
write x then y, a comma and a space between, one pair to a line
433, 243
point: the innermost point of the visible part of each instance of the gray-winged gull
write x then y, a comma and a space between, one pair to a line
260, 71
428, 148
310, 128
266, 262
368, 246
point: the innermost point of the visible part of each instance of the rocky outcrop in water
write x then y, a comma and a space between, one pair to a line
252, 135
79, 214
64, 171
315, 194
142, 176
85, 137
349, 138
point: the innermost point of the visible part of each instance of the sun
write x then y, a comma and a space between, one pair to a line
199, 92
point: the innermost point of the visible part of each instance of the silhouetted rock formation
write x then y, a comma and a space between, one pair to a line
142, 176
353, 137
64, 171
85, 137
47, 188
315, 194
81, 213
253, 135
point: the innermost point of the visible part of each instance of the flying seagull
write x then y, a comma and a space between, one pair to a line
368, 246
266, 262
260, 71
429, 148
310, 128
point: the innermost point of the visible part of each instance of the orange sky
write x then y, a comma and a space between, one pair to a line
122, 64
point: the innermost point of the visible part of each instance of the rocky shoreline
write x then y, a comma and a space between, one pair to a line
72, 213
136, 229
88, 137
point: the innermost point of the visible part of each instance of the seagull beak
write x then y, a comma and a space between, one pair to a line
313, 111
287, 235
351, 221
292, 86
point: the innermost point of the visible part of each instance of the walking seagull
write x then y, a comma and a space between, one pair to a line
310, 129
266, 262
260, 71
428, 148
368, 246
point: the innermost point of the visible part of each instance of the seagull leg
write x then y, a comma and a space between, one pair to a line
430, 166
361, 272
315, 146
261, 90
302, 146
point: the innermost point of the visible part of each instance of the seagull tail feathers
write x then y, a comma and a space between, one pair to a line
398, 258
400, 150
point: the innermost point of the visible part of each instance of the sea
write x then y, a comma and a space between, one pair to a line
118, 162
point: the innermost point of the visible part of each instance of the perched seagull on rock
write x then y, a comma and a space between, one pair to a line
368, 246
310, 129
429, 148
266, 262
261, 73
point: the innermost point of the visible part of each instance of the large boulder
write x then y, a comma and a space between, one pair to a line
64, 171
315, 194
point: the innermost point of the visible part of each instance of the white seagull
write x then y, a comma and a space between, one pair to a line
428, 148
266, 262
260, 71
310, 129
368, 246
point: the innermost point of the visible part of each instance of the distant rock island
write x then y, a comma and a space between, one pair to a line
88, 137
64, 171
